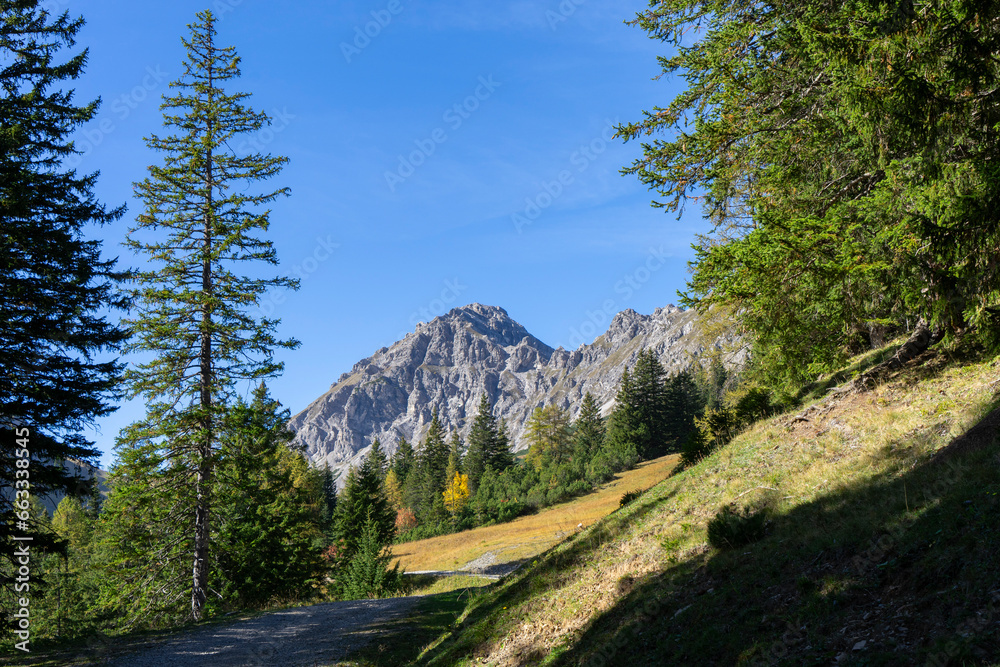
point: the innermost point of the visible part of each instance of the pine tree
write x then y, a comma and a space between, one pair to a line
376, 462
454, 457
649, 399
362, 498
588, 433
403, 459
393, 490
684, 402
368, 574
433, 465
268, 519
626, 430
839, 151
192, 311
329, 506
53, 283
550, 437
488, 445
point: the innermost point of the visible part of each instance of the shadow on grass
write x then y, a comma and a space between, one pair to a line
548, 570
903, 569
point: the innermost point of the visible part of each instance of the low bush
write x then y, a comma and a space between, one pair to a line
628, 497
732, 527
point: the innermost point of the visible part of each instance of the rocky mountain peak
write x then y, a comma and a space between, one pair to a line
449, 362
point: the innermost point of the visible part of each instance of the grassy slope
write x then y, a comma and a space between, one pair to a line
877, 555
529, 536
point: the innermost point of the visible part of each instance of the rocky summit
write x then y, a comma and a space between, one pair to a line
449, 362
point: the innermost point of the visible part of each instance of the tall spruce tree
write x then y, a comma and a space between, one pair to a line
363, 499
588, 433
488, 445
626, 431
53, 281
433, 467
403, 459
649, 399
684, 401
843, 152
193, 312
268, 522
454, 456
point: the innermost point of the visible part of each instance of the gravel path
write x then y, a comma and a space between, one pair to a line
485, 566
316, 635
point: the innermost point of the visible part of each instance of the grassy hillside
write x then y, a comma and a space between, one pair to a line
529, 536
883, 547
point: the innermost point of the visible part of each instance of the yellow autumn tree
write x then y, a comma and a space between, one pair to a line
456, 493
393, 490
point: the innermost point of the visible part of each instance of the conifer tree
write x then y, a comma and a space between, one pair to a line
454, 457
840, 151
550, 437
368, 574
268, 526
626, 430
362, 498
588, 432
329, 506
403, 459
193, 312
684, 401
488, 445
433, 465
376, 462
649, 399
53, 282
393, 490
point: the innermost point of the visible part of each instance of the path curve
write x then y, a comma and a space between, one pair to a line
315, 635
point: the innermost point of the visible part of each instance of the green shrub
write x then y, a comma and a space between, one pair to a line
695, 447
732, 527
628, 497
752, 404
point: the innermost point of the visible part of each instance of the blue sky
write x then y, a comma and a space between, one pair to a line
458, 152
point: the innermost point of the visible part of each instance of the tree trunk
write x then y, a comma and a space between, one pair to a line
916, 344
203, 502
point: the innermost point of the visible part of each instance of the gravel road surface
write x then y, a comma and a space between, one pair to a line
316, 635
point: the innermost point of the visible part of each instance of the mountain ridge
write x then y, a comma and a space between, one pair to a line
447, 363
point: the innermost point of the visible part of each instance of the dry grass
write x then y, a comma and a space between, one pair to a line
643, 587
529, 536
429, 585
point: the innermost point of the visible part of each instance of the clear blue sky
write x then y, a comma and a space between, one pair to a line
418, 153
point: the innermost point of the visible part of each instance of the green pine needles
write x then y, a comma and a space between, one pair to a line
194, 311
54, 284
846, 154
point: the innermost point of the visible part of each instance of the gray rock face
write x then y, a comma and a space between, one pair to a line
449, 362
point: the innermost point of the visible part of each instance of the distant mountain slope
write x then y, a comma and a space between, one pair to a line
448, 362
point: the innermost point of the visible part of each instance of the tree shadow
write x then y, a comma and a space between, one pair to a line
901, 569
